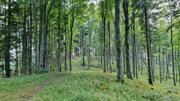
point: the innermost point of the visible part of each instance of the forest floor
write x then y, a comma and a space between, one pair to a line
83, 85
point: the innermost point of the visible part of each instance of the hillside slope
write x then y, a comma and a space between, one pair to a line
83, 85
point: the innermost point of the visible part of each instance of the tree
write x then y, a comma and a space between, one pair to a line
147, 43
8, 42
172, 44
43, 34
126, 16
59, 38
118, 42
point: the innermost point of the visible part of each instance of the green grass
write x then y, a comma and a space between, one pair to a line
17, 83
84, 85
92, 85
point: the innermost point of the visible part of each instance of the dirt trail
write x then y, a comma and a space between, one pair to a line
29, 92
38, 88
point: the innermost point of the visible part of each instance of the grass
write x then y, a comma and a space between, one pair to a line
83, 85
15, 89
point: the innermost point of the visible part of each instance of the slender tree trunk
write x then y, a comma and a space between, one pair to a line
164, 68
83, 49
148, 45
109, 46
126, 15
124, 60
30, 40
89, 48
7, 42
59, 38
71, 35
17, 61
172, 54
117, 40
167, 67
43, 36
36, 36
134, 57
65, 57
104, 42
24, 45
160, 67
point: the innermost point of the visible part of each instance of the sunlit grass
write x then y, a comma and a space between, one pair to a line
84, 84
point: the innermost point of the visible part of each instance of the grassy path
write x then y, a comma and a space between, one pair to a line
82, 85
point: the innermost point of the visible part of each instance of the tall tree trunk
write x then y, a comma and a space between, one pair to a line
71, 34
126, 15
65, 45
59, 38
89, 48
148, 45
118, 42
30, 40
172, 53
36, 36
160, 67
134, 57
7, 42
104, 42
109, 46
43, 36
24, 45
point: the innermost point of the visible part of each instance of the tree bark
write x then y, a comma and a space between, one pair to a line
109, 46
148, 46
59, 38
126, 15
43, 36
172, 54
118, 42
71, 34
7, 42
24, 45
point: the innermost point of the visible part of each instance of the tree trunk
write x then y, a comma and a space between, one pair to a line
109, 46
104, 41
30, 41
7, 42
160, 67
172, 54
43, 36
24, 45
65, 45
134, 57
89, 48
59, 38
83, 49
117, 40
126, 15
148, 46
71, 35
